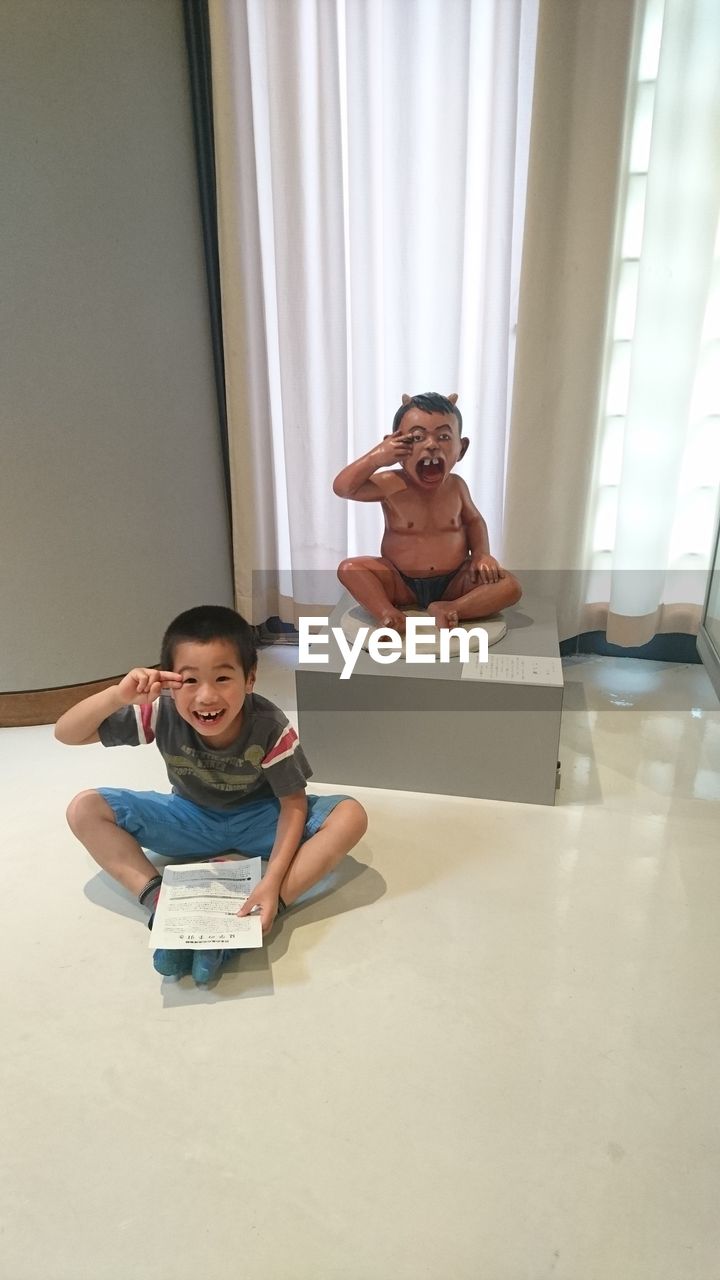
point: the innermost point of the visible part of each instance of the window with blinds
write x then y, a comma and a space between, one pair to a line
669, 470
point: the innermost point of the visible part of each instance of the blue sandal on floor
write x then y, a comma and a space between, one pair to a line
205, 964
172, 964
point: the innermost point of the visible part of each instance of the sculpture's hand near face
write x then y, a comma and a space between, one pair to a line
485, 568
392, 449
359, 480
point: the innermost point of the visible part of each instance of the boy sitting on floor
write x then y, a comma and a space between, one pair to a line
435, 553
237, 770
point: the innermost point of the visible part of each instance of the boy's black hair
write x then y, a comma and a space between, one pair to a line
210, 622
428, 402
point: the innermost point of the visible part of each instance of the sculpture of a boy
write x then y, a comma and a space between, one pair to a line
435, 553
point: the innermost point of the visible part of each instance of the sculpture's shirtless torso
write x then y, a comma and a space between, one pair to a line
424, 533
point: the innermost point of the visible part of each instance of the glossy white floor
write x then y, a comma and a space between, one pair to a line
490, 1054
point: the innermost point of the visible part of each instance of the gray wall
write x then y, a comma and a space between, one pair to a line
112, 515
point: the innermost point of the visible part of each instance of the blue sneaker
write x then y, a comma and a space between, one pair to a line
206, 964
172, 964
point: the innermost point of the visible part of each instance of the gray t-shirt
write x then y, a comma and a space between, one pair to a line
265, 760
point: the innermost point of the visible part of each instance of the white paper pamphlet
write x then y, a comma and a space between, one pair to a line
199, 903
514, 668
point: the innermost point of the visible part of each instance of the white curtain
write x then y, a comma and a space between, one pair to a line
583, 74
371, 159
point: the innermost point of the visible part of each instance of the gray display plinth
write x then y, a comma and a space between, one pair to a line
407, 727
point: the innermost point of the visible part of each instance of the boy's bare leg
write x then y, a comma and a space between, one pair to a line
338, 834
475, 601
93, 822
377, 586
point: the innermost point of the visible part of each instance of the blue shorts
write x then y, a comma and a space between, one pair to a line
177, 828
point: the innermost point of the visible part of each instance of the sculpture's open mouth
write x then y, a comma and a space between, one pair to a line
430, 471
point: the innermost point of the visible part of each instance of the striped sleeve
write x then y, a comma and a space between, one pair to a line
131, 726
284, 764
286, 745
146, 717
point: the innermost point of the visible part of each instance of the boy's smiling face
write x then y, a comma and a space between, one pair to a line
213, 689
437, 446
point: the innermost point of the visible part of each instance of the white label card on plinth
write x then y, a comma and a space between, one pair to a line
199, 903
514, 668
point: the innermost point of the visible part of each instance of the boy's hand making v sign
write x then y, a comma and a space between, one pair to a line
145, 684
